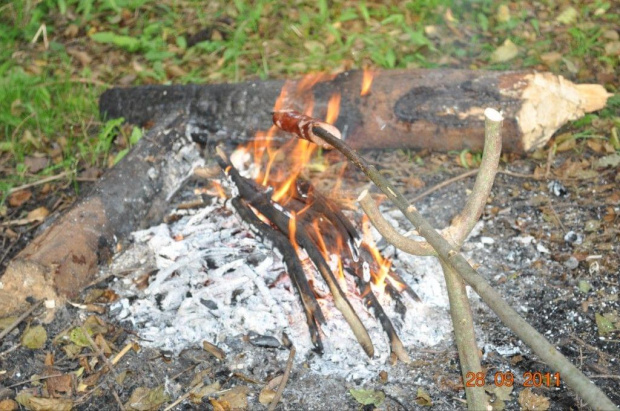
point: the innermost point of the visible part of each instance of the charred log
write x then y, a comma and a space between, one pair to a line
438, 109
314, 315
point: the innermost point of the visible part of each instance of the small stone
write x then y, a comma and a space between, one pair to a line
265, 341
571, 263
557, 189
573, 238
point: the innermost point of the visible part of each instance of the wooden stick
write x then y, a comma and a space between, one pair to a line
287, 373
584, 387
311, 307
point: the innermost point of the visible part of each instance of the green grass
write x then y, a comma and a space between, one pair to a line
48, 97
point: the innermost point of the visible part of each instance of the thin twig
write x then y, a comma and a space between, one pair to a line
41, 378
536, 341
444, 184
19, 319
39, 182
287, 372
184, 396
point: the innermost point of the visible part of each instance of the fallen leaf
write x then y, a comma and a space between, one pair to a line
367, 397
60, 384
219, 405
34, 337
500, 393
604, 325
38, 214
584, 286
314, 47
196, 395
612, 160
83, 57
503, 14
507, 51
423, 399
532, 402
550, 58
35, 164
237, 397
612, 48
145, 399
6, 321
18, 198
568, 16
269, 391
213, 350
8, 405
50, 404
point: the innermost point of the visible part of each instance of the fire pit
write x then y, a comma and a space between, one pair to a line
260, 255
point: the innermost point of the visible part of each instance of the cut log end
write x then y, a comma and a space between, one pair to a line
549, 102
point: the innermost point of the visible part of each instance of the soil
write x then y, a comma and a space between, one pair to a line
549, 245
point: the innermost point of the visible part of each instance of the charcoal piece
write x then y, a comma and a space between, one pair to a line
265, 341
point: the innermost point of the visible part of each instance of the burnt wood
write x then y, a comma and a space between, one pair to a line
439, 109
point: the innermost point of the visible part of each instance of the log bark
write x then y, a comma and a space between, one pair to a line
439, 109
66, 256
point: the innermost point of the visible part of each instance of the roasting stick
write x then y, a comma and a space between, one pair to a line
263, 204
314, 315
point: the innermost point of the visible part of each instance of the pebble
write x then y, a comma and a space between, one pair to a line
571, 263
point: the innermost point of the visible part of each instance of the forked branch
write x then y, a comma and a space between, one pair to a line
593, 395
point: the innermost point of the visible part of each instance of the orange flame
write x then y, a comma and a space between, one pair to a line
292, 230
366, 82
280, 167
378, 277
333, 109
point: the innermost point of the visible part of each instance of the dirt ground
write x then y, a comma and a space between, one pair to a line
548, 243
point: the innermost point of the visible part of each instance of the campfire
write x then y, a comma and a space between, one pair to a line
335, 268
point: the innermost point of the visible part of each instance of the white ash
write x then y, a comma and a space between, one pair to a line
214, 279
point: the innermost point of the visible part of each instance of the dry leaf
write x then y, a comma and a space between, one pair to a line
367, 397
213, 350
145, 399
237, 397
568, 16
503, 14
423, 398
269, 391
604, 325
50, 404
612, 48
505, 52
532, 402
8, 405
34, 337
38, 214
35, 164
550, 58
60, 384
219, 405
196, 395
18, 198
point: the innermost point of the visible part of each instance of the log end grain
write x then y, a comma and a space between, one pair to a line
549, 102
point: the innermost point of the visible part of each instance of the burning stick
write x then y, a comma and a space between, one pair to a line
302, 125
325, 207
314, 315
457, 262
263, 204
396, 346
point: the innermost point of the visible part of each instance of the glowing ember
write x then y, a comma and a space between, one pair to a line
366, 82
